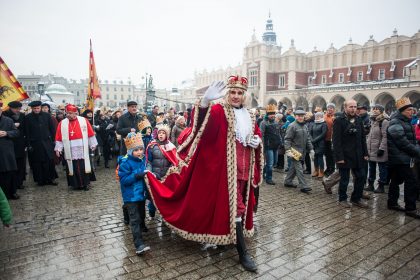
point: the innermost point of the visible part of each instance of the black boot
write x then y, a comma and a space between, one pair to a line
380, 189
244, 258
370, 187
257, 195
126, 216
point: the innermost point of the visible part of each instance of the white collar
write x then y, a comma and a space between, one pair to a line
243, 125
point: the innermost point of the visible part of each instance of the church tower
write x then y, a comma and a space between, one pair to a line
269, 36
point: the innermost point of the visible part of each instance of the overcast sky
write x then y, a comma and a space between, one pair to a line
172, 39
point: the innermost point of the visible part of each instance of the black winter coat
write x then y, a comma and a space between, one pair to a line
7, 153
349, 142
125, 123
19, 142
39, 136
318, 132
402, 144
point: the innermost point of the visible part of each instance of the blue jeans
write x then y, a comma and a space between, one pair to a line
136, 211
270, 161
358, 178
319, 161
383, 172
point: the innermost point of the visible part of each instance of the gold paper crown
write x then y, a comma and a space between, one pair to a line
318, 109
271, 108
133, 140
160, 119
143, 124
237, 82
165, 128
402, 103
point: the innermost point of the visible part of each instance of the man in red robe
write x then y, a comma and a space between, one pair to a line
208, 197
75, 136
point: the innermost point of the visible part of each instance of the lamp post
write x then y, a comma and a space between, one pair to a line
145, 99
41, 86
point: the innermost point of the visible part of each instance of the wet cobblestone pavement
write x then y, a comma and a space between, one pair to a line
62, 234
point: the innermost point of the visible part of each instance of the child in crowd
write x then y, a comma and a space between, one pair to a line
132, 169
161, 155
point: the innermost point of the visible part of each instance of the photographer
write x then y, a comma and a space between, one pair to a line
350, 153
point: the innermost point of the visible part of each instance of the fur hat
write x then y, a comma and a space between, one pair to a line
403, 104
165, 128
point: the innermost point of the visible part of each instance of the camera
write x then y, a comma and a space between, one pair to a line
352, 130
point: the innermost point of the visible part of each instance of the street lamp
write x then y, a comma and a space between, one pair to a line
145, 99
41, 87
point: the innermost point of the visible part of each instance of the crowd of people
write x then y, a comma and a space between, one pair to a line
172, 158
337, 143
36, 135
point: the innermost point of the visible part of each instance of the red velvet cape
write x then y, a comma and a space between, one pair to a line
197, 198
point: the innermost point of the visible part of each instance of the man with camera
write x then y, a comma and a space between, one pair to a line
350, 153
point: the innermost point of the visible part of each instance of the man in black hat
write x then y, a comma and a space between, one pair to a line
39, 136
19, 142
8, 165
127, 123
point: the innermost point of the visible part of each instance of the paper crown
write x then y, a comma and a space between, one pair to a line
403, 104
165, 128
71, 108
271, 108
133, 140
143, 124
237, 82
318, 109
160, 119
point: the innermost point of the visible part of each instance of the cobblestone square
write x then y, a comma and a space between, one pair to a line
63, 234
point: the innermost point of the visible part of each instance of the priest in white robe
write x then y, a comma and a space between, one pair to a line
75, 137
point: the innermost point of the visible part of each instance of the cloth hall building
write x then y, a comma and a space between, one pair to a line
374, 72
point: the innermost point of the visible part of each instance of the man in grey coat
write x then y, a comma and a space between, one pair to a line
298, 138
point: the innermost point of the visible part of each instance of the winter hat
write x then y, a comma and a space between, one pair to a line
165, 128
379, 107
133, 141
331, 105
319, 115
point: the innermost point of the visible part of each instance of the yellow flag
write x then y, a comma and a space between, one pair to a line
10, 88
93, 86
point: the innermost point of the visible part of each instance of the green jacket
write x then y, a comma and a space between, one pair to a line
5, 212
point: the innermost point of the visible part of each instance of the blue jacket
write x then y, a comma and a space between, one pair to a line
132, 189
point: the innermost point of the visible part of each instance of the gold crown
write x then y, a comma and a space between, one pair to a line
165, 128
143, 124
271, 108
402, 102
133, 140
318, 109
237, 82
160, 119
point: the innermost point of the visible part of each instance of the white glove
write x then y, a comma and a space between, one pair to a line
109, 126
96, 127
214, 91
255, 142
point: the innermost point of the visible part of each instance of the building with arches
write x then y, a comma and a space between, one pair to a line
373, 72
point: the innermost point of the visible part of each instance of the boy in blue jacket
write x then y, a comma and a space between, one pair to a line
132, 169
